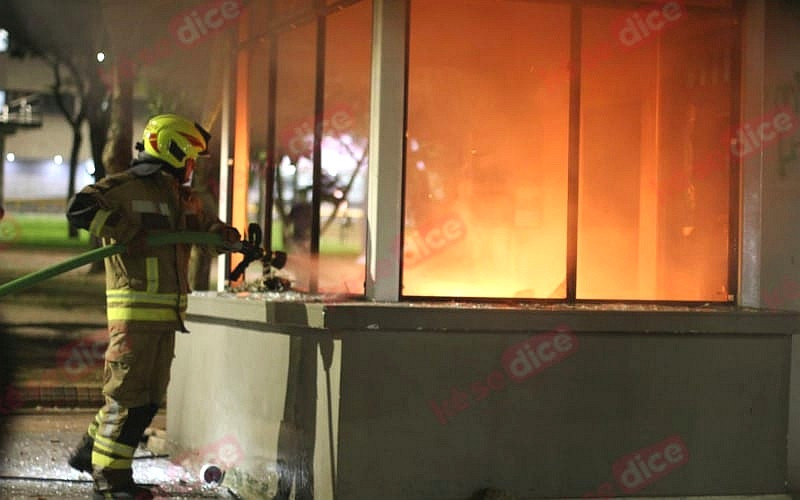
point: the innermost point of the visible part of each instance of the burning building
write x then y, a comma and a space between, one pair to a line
568, 269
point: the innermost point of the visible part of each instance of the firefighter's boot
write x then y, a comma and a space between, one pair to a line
113, 457
112, 483
81, 457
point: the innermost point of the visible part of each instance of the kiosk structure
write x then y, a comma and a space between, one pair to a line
577, 275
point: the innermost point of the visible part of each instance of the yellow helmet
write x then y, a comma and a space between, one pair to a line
175, 139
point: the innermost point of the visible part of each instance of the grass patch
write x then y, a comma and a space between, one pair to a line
40, 231
329, 243
50, 231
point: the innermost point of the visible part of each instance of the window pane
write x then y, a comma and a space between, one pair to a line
486, 157
344, 149
654, 170
295, 110
286, 9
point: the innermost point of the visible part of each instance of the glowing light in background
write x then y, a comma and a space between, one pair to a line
286, 166
58, 159
10, 157
101, 57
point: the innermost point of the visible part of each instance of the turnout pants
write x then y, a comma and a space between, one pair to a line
135, 378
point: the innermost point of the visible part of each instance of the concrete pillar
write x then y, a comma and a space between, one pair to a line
753, 60
386, 149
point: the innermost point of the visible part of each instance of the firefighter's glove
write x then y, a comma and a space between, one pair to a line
231, 238
138, 246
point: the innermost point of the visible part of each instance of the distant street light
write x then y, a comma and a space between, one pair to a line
90, 167
101, 57
10, 157
58, 159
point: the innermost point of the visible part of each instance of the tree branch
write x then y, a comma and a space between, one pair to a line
59, 96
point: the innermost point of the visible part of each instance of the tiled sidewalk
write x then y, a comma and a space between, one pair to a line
63, 396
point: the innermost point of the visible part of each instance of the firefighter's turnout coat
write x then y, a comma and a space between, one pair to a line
144, 291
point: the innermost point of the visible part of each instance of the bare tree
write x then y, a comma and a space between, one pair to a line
328, 189
118, 151
75, 112
69, 50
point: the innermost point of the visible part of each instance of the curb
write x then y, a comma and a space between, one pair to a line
32, 396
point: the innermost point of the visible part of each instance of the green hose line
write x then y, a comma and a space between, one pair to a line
100, 253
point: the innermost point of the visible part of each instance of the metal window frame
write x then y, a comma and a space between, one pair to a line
385, 238
317, 13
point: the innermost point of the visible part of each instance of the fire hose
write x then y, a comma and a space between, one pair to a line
249, 247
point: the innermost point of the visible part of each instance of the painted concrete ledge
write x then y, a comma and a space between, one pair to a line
730, 497
389, 388
298, 313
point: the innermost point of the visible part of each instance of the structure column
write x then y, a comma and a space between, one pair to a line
386, 149
751, 168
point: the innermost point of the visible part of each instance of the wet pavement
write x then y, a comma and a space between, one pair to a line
33, 461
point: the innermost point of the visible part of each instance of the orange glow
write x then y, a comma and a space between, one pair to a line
487, 140
652, 224
241, 148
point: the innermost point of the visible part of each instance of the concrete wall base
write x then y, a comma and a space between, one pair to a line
398, 402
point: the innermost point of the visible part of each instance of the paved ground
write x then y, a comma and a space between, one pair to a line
56, 335
55, 331
39, 442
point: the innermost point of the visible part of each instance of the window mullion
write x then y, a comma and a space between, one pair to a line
576, 29
316, 191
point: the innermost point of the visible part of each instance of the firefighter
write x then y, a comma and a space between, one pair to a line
146, 290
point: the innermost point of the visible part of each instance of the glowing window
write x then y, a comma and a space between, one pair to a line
491, 170
656, 114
